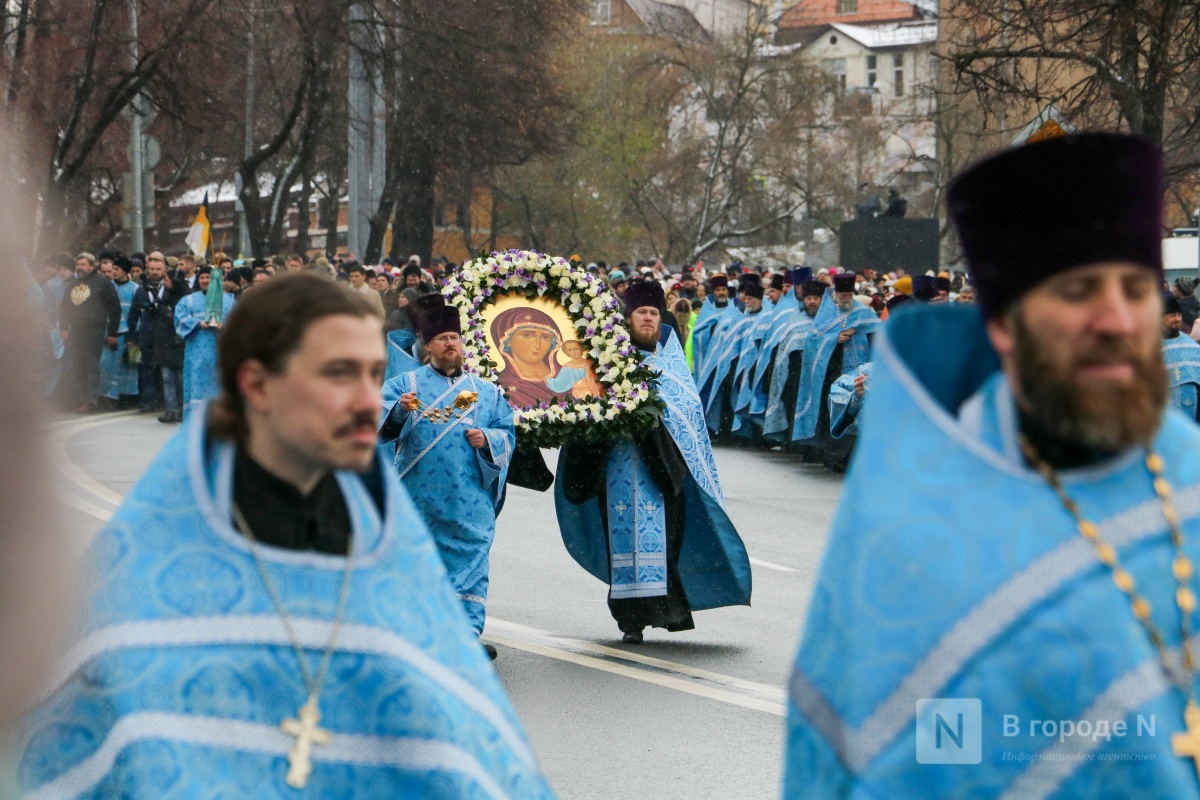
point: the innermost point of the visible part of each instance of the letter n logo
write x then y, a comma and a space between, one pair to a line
949, 730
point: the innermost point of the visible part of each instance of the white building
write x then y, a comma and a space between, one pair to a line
892, 67
717, 18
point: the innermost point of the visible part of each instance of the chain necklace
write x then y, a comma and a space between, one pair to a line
1186, 744
304, 727
461, 404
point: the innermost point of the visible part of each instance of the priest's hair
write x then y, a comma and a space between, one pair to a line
267, 326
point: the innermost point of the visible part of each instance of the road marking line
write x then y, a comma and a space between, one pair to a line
769, 565
529, 634
66, 465
102, 514
107, 415
667, 681
522, 637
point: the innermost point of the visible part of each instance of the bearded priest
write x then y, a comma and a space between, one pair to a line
453, 438
1020, 622
269, 612
647, 516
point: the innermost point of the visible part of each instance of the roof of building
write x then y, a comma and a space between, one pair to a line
664, 17
805, 16
892, 35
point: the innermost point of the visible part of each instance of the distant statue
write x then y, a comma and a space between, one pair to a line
897, 206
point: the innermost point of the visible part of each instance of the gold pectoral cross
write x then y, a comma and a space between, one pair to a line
1187, 744
1177, 374
307, 734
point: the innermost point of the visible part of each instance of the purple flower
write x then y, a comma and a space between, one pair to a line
543, 405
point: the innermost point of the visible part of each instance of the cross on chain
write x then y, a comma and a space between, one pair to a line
1187, 744
307, 734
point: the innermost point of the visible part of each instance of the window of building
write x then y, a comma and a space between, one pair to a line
872, 70
898, 74
837, 68
600, 12
847, 6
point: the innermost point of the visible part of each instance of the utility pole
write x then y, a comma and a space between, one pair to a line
367, 132
138, 233
245, 246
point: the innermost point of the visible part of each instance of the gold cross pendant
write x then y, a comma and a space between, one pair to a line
1187, 744
307, 734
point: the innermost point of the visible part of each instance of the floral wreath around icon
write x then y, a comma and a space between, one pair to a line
630, 405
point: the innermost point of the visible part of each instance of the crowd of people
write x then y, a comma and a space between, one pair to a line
780, 356
277, 564
134, 331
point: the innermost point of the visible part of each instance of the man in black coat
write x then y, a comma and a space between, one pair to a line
152, 315
89, 316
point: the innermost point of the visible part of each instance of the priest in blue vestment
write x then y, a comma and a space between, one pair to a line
788, 313
454, 438
716, 307
199, 329
647, 515
839, 343
1181, 357
270, 617
119, 378
845, 402
787, 370
732, 348
1019, 621
750, 388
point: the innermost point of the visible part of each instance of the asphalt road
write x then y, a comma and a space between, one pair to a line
686, 715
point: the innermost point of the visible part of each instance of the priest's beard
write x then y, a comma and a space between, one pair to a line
648, 341
450, 361
719, 303
1110, 417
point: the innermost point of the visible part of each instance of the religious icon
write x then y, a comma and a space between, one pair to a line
539, 358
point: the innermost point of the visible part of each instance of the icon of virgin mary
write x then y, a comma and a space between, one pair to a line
527, 339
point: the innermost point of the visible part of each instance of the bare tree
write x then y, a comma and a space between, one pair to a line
1127, 64
71, 76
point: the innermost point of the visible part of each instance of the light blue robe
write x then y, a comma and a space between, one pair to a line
713, 566
822, 341
845, 404
970, 581
184, 671
745, 381
401, 346
788, 312
728, 343
705, 328
566, 378
794, 340
117, 377
200, 380
457, 489
1181, 357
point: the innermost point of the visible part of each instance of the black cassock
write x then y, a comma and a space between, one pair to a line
583, 472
